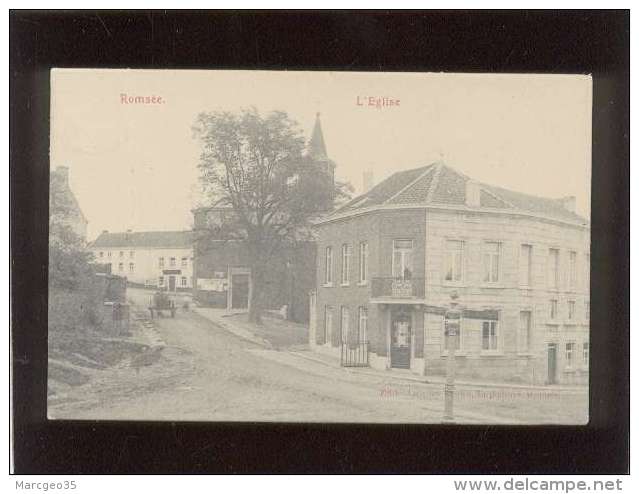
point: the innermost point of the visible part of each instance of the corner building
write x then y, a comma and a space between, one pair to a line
389, 260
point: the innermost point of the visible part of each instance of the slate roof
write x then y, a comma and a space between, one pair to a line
169, 240
385, 190
416, 192
440, 184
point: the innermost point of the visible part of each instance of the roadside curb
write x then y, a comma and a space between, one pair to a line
440, 381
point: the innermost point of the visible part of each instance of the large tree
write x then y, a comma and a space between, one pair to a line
256, 166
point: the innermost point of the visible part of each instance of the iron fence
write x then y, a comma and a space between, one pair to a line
354, 354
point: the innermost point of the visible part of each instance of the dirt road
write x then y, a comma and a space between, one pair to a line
208, 374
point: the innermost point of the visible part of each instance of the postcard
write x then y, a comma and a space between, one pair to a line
282, 246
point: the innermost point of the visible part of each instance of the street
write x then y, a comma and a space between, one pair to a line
204, 373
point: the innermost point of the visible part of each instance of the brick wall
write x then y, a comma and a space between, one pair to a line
284, 284
379, 230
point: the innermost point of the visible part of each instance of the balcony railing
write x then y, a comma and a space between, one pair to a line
397, 288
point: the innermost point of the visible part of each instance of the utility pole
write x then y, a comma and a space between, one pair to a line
452, 319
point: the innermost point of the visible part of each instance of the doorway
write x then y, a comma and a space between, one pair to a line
171, 283
239, 291
552, 363
400, 344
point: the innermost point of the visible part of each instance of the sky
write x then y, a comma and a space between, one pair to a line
134, 166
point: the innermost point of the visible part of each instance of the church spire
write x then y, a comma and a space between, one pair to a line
316, 146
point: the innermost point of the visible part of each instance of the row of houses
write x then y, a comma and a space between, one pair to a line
375, 284
160, 259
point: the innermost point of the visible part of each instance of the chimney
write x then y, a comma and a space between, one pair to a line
473, 194
63, 174
367, 181
569, 203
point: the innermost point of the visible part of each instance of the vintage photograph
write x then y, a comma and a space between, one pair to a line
290, 246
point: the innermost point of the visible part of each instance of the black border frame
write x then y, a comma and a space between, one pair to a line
584, 42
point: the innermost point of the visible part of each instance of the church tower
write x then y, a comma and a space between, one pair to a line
317, 149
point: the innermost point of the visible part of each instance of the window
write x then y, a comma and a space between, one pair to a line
491, 262
571, 309
489, 335
328, 323
161, 281
183, 280
572, 270
172, 262
402, 259
328, 267
161, 262
586, 354
454, 260
525, 330
346, 263
525, 265
121, 266
553, 268
363, 324
185, 261
344, 324
587, 274
121, 253
109, 254
363, 262
131, 254
587, 309
131, 267
570, 354
101, 254
553, 309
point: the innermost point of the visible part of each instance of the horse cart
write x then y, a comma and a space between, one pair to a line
161, 302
